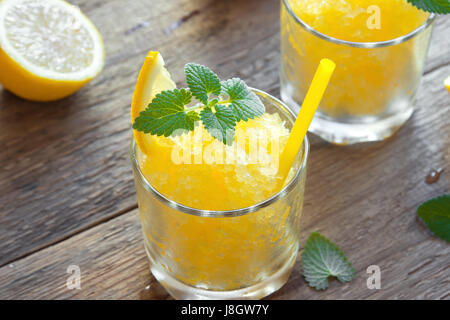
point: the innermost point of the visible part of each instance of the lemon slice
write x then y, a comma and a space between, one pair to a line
153, 78
447, 83
48, 48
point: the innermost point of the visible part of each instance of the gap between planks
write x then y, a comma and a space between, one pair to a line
75, 232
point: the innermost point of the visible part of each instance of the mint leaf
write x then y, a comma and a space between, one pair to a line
166, 113
435, 6
435, 213
245, 103
219, 123
201, 81
322, 259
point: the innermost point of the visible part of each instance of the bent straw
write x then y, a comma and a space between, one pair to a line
305, 116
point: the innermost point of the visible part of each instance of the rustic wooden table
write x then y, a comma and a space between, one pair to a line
66, 191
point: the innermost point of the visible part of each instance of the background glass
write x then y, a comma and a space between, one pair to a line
372, 90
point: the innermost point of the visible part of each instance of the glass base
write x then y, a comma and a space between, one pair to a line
350, 133
344, 133
181, 291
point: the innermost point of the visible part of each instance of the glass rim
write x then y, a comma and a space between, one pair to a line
375, 44
227, 213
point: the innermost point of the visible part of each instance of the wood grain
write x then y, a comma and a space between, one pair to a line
66, 184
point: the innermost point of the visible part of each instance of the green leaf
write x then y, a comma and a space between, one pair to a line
435, 6
219, 123
245, 103
435, 213
322, 259
166, 113
201, 81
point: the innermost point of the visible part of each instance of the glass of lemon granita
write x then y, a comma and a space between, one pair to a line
221, 227
379, 47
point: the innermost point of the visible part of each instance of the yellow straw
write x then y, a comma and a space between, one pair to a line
304, 118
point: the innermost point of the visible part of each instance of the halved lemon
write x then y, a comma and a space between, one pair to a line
153, 78
48, 49
447, 83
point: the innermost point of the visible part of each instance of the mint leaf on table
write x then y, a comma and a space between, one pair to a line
435, 214
201, 81
435, 6
166, 113
219, 123
244, 102
322, 259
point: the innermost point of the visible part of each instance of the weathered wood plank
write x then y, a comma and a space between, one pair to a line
110, 256
369, 211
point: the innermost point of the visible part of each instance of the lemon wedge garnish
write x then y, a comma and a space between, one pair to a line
447, 83
153, 78
48, 49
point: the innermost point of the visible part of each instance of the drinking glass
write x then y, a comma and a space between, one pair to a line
245, 253
372, 91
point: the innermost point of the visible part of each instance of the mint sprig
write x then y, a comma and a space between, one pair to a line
244, 102
221, 105
202, 81
220, 124
166, 113
435, 6
435, 214
321, 259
